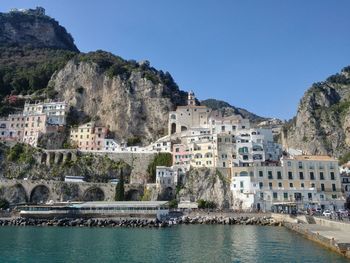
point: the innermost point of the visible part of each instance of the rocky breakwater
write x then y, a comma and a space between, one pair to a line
234, 220
140, 223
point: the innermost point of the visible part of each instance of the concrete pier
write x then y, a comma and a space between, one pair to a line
331, 234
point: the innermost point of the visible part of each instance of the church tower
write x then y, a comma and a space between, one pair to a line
191, 101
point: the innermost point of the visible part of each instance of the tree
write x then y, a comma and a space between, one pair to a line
161, 159
4, 204
119, 189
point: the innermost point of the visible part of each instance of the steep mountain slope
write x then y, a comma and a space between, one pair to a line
33, 28
132, 98
32, 47
322, 123
230, 110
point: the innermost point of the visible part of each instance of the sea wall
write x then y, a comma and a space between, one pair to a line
333, 224
330, 243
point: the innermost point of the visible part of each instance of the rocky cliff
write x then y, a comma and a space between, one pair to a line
322, 123
207, 184
132, 99
229, 110
33, 29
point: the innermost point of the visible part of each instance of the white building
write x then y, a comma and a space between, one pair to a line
166, 177
307, 181
56, 111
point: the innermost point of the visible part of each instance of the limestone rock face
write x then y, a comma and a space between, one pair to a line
131, 106
39, 31
322, 123
207, 184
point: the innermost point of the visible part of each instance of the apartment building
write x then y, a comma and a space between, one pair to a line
89, 137
56, 111
11, 128
35, 125
305, 180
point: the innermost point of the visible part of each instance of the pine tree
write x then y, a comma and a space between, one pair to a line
119, 189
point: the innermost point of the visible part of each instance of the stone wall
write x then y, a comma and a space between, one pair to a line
138, 162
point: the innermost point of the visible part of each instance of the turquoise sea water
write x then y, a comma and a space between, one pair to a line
192, 243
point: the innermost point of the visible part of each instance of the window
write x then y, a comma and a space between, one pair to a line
290, 175
334, 196
334, 188
274, 195
261, 185
312, 185
279, 184
332, 176
285, 196
279, 175
300, 165
291, 185
289, 164
302, 185
261, 173
241, 184
322, 187
312, 176
309, 196
270, 174
321, 176
301, 175
270, 185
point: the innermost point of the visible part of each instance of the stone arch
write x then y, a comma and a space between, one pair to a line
40, 194
94, 193
68, 157
173, 128
59, 158
43, 158
243, 173
133, 195
16, 194
168, 193
51, 158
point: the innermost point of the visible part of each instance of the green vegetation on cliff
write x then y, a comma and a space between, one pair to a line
161, 159
114, 66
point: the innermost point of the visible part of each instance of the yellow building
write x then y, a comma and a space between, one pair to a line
88, 137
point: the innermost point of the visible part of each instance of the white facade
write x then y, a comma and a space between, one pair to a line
166, 177
308, 181
56, 111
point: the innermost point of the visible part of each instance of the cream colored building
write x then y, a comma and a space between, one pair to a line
305, 180
189, 117
89, 137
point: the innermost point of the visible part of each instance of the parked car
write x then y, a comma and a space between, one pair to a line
343, 212
326, 213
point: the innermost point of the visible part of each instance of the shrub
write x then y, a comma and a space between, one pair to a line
4, 204
202, 204
173, 203
161, 159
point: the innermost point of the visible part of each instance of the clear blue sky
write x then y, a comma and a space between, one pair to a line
258, 55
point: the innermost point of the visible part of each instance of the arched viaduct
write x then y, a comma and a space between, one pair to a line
42, 191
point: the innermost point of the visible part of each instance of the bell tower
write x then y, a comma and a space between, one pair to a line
191, 101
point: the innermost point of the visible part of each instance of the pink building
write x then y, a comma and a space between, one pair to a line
11, 128
181, 154
34, 126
